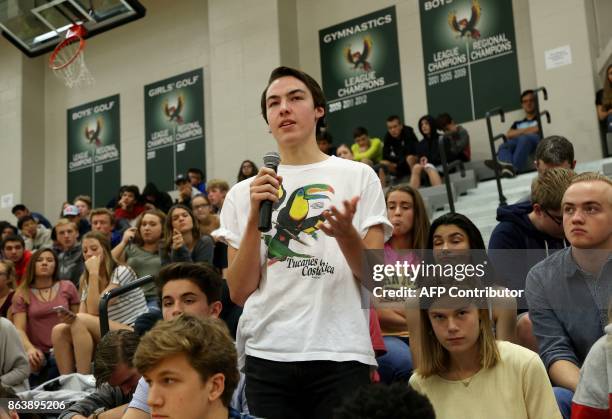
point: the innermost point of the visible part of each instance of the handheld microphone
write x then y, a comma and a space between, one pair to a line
271, 160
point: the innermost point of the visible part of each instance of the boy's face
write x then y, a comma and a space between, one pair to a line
29, 228
183, 296
177, 391
587, 215
13, 251
394, 127
290, 111
102, 224
66, 235
216, 196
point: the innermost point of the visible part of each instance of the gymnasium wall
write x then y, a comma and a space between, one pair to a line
238, 42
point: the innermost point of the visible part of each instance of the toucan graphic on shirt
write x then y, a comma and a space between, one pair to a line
295, 219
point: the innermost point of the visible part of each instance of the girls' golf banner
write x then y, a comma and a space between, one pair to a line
470, 60
360, 68
94, 150
174, 127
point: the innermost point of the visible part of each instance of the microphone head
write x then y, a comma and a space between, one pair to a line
271, 159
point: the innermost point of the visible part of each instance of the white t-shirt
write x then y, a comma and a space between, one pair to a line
307, 306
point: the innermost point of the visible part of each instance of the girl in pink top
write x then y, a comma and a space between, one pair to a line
406, 211
34, 302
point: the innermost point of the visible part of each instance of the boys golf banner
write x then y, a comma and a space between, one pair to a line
94, 150
469, 51
361, 74
174, 128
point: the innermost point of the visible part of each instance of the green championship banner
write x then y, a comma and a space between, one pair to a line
360, 68
469, 52
94, 150
174, 128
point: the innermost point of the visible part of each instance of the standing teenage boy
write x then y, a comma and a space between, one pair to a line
303, 337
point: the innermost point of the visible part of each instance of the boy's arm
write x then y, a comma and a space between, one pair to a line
244, 266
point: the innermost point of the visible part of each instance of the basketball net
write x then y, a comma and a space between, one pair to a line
68, 59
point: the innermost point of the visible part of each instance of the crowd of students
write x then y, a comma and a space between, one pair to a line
306, 346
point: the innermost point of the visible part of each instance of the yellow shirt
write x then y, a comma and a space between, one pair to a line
516, 388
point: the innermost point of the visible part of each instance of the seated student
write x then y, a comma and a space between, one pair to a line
399, 150
7, 229
7, 286
383, 402
191, 367
35, 235
14, 366
196, 178
13, 249
324, 141
551, 152
129, 206
33, 310
103, 221
21, 210
406, 211
186, 289
69, 252
427, 168
458, 139
593, 398
139, 249
74, 339
185, 190
536, 226
344, 152
466, 373
603, 103
454, 239
217, 189
523, 137
158, 199
365, 149
183, 241
554, 151
567, 293
247, 169
83, 203
116, 378
73, 214
201, 208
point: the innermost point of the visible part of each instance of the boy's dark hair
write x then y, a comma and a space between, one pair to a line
444, 119
202, 274
18, 207
6, 224
527, 92
116, 347
359, 131
130, 188
23, 219
324, 136
555, 150
311, 84
13, 238
196, 171
378, 401
394, 118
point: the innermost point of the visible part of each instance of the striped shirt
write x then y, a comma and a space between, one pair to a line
127, 307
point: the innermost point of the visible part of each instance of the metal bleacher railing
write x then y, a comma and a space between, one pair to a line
103, 307
443, 141
493, 138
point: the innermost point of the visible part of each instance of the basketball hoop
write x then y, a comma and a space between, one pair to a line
68, 61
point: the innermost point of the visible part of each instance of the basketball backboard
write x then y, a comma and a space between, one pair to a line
37, 26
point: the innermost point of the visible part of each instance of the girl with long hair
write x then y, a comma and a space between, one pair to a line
139, 249
74, 340
406, 211
183, 240
428, 151
466, 373
33, 306
7, 286
247, 169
